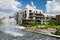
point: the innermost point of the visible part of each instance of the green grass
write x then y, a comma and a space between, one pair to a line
50, 26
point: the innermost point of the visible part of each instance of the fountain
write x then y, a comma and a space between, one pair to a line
9, 26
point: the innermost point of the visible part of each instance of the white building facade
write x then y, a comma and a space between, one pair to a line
29, 14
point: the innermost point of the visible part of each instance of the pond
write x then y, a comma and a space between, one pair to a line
27, 36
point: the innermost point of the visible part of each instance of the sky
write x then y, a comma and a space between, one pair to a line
40, 4
53, 7
8, 7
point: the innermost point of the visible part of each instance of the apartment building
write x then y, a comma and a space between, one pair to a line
28, 14
48, 17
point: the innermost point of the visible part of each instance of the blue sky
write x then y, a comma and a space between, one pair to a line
40, 4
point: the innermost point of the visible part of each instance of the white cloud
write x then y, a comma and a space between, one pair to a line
9, 6
30, 6
27, 6
53, 6
2, 14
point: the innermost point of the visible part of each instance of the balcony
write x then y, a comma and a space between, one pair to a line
30, 15
39, 16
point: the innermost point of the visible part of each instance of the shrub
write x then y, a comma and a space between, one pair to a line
57, 32
52, 22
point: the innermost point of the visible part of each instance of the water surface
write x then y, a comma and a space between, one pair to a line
27, 36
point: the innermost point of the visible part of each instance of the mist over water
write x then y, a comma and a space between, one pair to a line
9, 26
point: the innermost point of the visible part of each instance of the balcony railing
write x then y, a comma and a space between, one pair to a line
39, 16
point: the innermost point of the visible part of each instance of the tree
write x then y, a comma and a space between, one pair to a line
52, 22
33, 23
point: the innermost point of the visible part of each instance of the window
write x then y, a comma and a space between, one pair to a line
43, 17
30, 10
36, 11
30, 14
31, 17
47, 18
39, 12
23, 15
25, 11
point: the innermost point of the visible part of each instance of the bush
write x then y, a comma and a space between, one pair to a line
52, 22
57, 32
32, 24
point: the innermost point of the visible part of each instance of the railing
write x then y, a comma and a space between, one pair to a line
39, 16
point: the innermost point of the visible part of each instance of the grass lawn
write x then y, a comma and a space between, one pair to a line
50, 26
